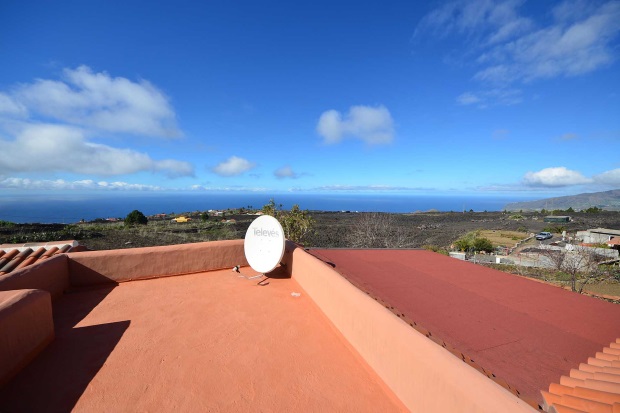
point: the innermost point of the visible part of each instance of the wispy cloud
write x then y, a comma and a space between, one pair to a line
365, 188
286, 172
60, 184
500, 134
508, 48
233, 166
569, 137
373, 125
228, 188
489, 97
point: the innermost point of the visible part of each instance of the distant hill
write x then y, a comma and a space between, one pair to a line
608, 200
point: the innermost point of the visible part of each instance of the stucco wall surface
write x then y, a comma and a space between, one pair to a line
26, 327
97, 267
51, 275
425, 376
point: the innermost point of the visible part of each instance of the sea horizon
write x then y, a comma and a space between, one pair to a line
71, 208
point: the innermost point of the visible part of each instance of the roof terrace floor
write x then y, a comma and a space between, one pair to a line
202, 342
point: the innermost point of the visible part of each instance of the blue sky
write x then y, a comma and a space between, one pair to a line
459, 97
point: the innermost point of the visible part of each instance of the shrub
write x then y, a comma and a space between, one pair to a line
472, 241
436, 249
297, 224
135, 217
483, 244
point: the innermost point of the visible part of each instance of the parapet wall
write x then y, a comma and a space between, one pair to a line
61, 272
96, 267
51, 275
425, 376
26, 327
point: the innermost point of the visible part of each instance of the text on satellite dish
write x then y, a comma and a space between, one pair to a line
266, 233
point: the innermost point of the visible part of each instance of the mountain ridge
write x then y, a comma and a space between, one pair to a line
606, 200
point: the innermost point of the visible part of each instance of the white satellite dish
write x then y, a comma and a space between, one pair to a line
264, 244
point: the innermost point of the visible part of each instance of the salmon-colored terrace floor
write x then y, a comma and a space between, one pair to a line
525, 332
203, 342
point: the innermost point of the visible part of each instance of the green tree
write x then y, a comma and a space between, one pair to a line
204, 216
297, 224
483, 244
270, 208
135, 217
472, 241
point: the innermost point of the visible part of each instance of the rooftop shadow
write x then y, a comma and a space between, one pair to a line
57, 378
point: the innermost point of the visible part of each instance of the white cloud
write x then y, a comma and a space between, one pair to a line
500, 134
368, 188
555, 177
490, 97
228, 188
569, 137
233, 166
468, 98
60, 148
286, 172
60, 184
509, 48
100, 101
48, 125
611, 178
373, 125
11, 107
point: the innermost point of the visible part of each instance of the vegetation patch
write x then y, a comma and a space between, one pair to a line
503, 238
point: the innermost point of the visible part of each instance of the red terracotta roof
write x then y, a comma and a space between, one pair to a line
17, 256
523, 334
593, 387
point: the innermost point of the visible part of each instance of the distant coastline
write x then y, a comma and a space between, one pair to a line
72, 208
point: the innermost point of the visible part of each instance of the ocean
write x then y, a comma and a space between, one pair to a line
70, 208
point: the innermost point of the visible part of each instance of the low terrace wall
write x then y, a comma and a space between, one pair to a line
97, 267
425, 376
63, 271
26, 328
51, 275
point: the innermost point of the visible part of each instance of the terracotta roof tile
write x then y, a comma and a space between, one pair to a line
592, 388
6, 258
17, 256
17, 259
559, 408
611, 350
31, 258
